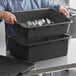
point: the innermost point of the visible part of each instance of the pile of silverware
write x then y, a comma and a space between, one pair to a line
39, 22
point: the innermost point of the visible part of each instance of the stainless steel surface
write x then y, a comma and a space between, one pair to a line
70, 72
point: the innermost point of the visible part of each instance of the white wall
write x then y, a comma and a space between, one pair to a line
72, 3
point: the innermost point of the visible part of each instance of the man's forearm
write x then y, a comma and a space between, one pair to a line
1, 15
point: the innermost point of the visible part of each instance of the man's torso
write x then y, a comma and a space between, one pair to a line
18, 5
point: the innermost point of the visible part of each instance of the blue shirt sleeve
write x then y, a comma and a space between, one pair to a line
49, 3
3, 5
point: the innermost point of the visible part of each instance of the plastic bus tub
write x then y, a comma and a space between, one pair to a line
41, 50
60, 26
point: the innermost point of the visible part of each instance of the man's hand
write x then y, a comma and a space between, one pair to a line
9, 17
64, 11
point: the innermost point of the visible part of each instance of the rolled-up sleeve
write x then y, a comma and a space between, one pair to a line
49, 3
2, 6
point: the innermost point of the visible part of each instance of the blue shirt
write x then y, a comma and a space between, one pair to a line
18, 5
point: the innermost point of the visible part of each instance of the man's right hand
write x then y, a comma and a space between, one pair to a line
9, 17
